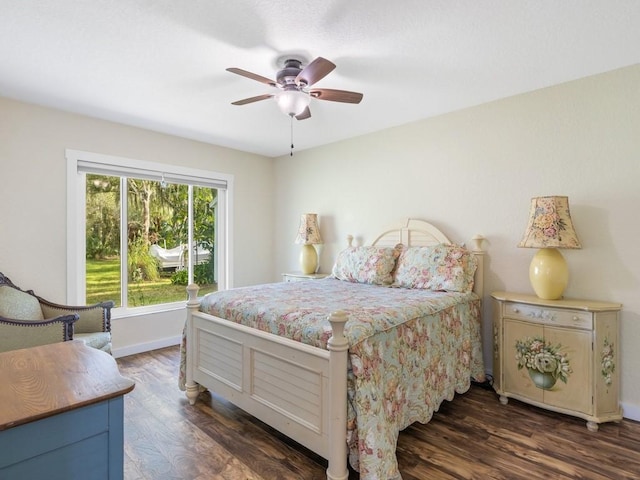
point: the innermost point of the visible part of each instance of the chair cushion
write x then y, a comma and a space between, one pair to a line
17, 305
99, 340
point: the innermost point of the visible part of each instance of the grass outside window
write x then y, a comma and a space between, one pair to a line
103, 283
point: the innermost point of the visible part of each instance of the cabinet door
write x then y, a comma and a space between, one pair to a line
548, 364
575, 347
517, 378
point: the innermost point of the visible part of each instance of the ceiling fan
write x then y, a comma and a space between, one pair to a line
294, 83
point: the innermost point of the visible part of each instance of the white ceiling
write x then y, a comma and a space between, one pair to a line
160, 64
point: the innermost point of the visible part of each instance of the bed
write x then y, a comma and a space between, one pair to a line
342, 364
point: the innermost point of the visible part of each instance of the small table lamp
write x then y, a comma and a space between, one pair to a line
308, 236
550, 227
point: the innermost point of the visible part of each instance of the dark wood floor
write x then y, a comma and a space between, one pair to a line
473, 437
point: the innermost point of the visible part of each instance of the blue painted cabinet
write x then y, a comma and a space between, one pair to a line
60, 434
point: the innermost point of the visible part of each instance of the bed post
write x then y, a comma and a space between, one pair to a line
191, 388
478, 252
338, 353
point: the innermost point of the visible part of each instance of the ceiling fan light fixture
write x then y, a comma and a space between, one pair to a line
292, 102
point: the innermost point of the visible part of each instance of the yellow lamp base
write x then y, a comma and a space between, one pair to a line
308, 259
548, 274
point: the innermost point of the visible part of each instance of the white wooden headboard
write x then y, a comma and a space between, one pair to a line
419, 233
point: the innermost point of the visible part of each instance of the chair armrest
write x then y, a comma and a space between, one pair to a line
92, 318
15, 334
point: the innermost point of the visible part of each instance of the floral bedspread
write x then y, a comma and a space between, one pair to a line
409, 350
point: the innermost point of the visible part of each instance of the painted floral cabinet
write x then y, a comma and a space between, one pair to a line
558, 354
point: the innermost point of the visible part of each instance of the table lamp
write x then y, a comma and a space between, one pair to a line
308, 236
550, 228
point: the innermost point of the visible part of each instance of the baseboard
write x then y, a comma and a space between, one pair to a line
632, 412
146, 347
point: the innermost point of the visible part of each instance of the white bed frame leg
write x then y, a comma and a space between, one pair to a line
338, 354
192, 389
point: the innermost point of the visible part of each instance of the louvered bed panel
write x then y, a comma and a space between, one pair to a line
282, 382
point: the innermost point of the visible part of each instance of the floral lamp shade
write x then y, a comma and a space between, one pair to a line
550, 224
549, 228
308, 231
308, 236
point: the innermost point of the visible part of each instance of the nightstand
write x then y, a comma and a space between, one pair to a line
561, 355
301, 277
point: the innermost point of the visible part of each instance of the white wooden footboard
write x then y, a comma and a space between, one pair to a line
297, 389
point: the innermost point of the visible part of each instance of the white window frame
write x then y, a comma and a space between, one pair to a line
79, 163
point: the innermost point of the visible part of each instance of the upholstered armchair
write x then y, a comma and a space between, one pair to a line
27, 320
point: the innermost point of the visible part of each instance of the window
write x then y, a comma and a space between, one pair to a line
139, 232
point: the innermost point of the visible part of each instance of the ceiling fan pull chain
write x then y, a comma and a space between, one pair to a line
291, 118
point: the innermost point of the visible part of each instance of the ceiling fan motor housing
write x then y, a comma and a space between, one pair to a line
287, 76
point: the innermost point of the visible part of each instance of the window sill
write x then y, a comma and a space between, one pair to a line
119, 312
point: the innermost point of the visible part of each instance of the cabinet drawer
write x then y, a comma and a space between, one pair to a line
549, 316
291, 278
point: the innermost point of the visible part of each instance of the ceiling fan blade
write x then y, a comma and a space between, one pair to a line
306, 113
315, 71
252, 76
251, 99
336, 95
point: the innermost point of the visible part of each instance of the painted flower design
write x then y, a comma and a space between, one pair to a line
607, 362
496, 342
538, 355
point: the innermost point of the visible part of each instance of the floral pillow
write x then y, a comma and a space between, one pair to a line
367, 264
439, 267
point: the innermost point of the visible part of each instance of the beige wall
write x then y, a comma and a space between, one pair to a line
475, 170
33, 203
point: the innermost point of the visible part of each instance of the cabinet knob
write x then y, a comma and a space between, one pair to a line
575, 318
516, 310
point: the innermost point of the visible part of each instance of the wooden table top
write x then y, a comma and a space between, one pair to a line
39, 382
